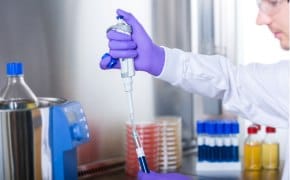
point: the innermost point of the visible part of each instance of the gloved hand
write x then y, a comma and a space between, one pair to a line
156, 176
148, 56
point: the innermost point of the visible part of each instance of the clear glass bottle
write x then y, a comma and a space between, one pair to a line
270, 149
252, 150
16, 94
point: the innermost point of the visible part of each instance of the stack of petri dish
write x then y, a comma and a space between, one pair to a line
149, 137
170, 150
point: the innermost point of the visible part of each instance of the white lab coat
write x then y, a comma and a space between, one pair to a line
256, 92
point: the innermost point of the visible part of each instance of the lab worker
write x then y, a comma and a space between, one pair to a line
257, 92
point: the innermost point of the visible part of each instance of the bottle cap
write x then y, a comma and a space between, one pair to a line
270, 129
14, 68
227, 127
200, 127
210, 127
219, 127
235, 127
258, 126
252, 130
120, 17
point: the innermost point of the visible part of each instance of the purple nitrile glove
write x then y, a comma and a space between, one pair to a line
157, 176
148, 56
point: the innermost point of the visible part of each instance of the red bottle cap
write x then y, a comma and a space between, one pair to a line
270, 129
252, 130
258, 126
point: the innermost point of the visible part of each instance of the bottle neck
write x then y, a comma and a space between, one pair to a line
252, 138
15, 77
270, 138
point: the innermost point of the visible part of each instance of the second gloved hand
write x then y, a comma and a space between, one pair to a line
148, 56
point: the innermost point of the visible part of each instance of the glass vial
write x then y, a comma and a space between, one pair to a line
252, 150
270, 149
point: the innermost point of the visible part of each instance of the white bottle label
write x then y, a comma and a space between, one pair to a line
219, 141
235, 141
227, 141
200, 141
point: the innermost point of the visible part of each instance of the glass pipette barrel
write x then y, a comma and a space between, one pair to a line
127, 72
139, 148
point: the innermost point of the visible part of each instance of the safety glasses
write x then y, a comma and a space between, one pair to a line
270, 7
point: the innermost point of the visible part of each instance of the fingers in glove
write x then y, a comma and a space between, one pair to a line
122, 45
123, 53
114, 35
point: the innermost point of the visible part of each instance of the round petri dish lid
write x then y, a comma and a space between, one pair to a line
169, 144
144, 136
132, 148
168, 167
143, 124
148, 154
168, 153
144, 129
168, 158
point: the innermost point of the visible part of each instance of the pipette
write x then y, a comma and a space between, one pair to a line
127, 73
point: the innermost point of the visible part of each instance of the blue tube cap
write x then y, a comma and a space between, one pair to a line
235, 127
120, 17
200, 127
227, 127
219, 127
14, 68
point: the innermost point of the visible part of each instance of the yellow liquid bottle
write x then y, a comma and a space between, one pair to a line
252, 150
270, 150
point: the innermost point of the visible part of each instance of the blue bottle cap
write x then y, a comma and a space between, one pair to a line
120, 17
235, 127
227, 127
14, 68
200, 126
210, 127
219, 127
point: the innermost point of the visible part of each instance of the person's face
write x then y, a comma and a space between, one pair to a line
275, 14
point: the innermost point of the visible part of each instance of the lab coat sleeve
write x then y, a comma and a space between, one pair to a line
257, 92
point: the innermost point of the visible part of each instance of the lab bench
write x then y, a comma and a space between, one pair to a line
188, 168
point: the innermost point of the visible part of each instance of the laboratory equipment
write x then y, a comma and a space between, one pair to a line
252, 150
270, 149
220, 154
221, 147
170, 151
16, 94
228, 148
234, 141
201, 149
40, 143
210, 142
127, 73
149, 135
